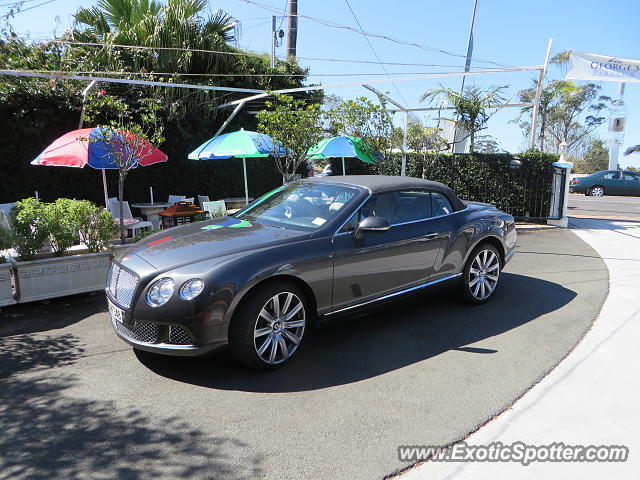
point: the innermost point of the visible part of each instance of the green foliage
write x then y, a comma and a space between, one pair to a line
364, 119
470, 107
568, 112
94, 224
144, 234
524, 193
632, 149
487, 144
594, 160
29, 223
296, 124
61, 225
7, 240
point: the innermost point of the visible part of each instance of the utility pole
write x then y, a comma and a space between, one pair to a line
273, 41
467, 65
292, 39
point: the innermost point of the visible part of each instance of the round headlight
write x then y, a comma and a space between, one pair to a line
191, 289
160, 292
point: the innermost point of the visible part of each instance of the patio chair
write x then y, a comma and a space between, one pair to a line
175, 198
114, 208
215, 209
202, 199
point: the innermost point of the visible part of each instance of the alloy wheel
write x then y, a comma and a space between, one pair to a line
484, 274
279, 328
597, 192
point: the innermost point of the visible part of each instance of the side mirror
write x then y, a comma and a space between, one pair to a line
371, 224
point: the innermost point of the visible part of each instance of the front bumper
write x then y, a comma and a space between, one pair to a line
166, 339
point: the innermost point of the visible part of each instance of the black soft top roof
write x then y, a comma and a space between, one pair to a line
385, 183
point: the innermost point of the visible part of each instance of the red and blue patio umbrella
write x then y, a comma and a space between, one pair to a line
88, 146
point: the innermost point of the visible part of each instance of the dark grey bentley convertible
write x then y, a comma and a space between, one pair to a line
303, 252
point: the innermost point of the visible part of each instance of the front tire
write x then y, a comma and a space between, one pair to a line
269, 326
481, 274
596, 191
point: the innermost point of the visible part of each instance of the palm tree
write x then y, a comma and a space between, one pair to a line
470, 105
632, 149
179, 24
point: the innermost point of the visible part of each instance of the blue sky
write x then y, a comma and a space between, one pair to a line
513, 33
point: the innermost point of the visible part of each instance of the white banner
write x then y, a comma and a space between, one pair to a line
588, 66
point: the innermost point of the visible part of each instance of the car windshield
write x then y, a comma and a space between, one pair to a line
300, 205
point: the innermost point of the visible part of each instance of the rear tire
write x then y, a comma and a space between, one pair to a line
481, 274
269, 326
596, 191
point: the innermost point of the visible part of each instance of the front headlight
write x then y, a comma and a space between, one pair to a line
191, 289
160, 292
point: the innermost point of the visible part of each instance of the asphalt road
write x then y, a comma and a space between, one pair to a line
76, 402
607, 207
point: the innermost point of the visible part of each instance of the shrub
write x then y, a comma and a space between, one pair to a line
62, 225
94, 224
7, 240
28, 221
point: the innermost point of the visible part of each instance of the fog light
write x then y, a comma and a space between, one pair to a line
191, 289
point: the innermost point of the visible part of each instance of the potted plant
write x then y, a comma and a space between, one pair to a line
6, 288
68, 271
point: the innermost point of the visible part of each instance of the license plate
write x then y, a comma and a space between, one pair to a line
116, 312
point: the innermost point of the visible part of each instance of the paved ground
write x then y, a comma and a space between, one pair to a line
591, 398
608, 207
76, 402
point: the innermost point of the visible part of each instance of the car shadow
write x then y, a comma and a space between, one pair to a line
401, 333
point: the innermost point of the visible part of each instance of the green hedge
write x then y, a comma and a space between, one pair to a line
26, 133
524, 192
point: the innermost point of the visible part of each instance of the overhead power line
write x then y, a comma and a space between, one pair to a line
250, 54
376, 35
24, 9
384, 69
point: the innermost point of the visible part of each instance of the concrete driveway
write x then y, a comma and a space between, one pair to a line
76, 402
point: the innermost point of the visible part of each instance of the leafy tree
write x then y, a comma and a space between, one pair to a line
296, 124
632, 149
149, 23
487, 144
567, 112
595, 159
470, 107
129, 136
422, 140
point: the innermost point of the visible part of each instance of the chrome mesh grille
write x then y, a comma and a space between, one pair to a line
180, 336
122, 285
140, 331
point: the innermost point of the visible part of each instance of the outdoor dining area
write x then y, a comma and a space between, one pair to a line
95, 147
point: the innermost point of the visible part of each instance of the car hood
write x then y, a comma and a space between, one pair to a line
200, 241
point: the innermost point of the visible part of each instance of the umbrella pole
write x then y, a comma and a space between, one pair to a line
104, 187
344, 170
246, 188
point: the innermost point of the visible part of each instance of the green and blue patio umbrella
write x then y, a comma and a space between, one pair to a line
344, 147
241, 144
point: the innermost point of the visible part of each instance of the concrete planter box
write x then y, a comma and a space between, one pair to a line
60, 276
6, 291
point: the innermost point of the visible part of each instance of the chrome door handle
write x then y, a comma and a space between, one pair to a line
431, 235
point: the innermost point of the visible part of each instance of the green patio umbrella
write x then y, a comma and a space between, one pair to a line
344, 147
241, 144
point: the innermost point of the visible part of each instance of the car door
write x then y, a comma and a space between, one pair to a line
613, 183
384, 262
631, 184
